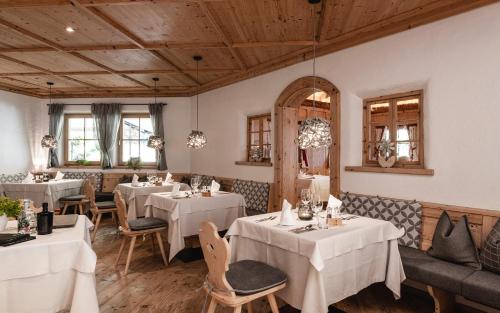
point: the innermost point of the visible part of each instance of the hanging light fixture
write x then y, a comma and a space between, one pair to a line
156, 142
196, 139
48, 141
314, 132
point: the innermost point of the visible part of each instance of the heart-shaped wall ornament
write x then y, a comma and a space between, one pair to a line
386, 163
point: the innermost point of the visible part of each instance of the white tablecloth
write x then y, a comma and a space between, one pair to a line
51, 273
319, 184
185, 215
136, 196
323, 266
49, 192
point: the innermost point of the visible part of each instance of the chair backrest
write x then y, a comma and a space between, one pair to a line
93, 181
216, 252
89, 192
121, 207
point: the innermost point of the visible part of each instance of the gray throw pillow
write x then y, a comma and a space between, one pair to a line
490, 255
454, 243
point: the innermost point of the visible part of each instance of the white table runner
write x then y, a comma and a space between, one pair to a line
323, 266
49, 192
185, 215
51, 273
135, 197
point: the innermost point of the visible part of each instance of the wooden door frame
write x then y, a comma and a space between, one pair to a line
292, 96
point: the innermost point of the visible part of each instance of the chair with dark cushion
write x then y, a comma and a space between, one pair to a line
98, 208
78, 201
240, 283
136, 228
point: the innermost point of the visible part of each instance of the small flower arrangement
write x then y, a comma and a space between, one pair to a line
134, 163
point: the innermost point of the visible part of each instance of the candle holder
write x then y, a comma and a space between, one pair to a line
304, 212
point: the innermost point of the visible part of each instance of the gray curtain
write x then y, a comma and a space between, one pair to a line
156, 112
107, 122
55, 129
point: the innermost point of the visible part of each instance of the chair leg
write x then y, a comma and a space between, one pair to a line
124, 240
98, 221
237, 309
65, 208
249, 307
129, 256
94, 215
212, 306
153, 244
162, 249
80, 206
272, 303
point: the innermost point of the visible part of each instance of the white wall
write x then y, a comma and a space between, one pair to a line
456, 61
15, 124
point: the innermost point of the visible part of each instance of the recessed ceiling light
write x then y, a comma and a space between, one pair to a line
70, 29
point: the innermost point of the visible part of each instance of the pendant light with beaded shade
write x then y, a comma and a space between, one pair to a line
196, 139
314, 132
48, 141
156, 142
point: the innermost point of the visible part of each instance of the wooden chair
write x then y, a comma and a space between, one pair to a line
79, 201
98, 208
138, 227
229, 284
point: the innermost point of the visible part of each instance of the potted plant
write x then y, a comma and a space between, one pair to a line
8, 208
134, 163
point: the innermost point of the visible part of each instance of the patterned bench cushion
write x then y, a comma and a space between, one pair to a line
401, 213
85, 175
13, 178
256, 194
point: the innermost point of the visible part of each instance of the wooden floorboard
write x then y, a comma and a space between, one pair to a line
151, 287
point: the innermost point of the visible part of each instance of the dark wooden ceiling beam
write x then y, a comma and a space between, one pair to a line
23, 91
224, 37
87, 3
129, 72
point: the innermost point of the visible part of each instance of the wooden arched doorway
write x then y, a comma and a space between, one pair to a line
286, 129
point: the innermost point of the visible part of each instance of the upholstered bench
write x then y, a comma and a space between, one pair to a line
256, 195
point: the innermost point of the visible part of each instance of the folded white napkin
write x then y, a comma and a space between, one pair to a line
135, 180
59, 176
287, 218
29, 178
168, 177
333, 202
175, 189
214, 187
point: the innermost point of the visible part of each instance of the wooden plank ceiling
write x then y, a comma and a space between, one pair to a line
119, 46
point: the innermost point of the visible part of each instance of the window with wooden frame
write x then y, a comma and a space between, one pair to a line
397, 118
80, 140
259, 138
134, 133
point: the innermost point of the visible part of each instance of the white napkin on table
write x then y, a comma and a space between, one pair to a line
214, 187
333, 202
135, 180
168, 178
175, 189
287, 218
29, 178
59, 176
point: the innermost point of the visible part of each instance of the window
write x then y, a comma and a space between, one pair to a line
81, 143
135, 130
396, 118
259, 138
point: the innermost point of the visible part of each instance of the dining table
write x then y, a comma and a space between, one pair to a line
185, 212
39, 193
135, 195
51, 273
324, 266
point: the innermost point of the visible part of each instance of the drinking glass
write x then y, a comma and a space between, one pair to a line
317, 206
305, 196
195, 183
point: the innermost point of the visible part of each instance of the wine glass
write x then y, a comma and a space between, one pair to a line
305, 196
195, 183
317, 206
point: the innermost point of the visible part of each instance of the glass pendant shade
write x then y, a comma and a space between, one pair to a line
49, 141
314, 133
196, 140
156, 142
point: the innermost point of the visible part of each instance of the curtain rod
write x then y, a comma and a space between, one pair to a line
104, 103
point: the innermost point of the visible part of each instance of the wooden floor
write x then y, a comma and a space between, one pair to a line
151, 287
